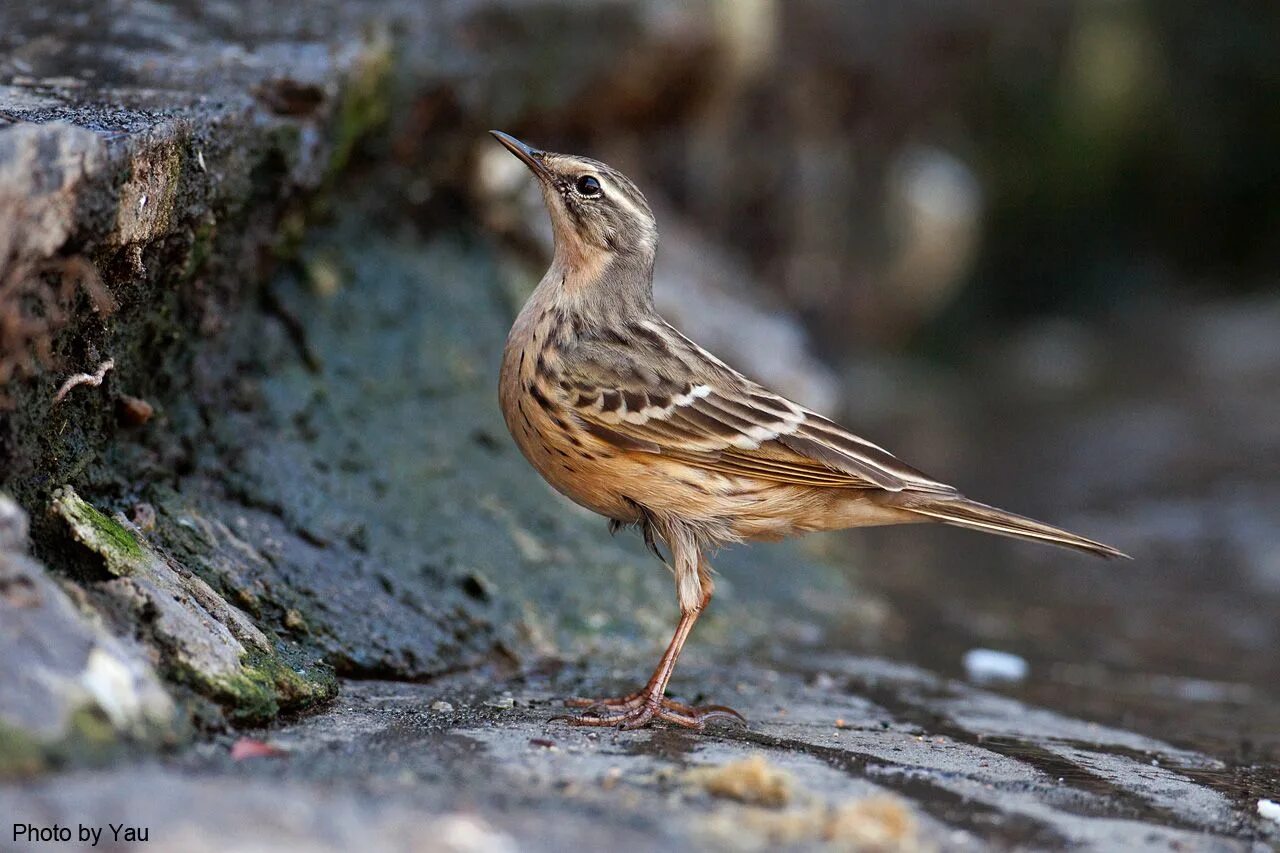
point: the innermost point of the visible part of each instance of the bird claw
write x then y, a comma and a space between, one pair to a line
641, 708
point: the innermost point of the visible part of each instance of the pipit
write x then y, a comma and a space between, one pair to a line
626, 416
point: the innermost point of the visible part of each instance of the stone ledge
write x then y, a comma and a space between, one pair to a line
157, 164
141, 179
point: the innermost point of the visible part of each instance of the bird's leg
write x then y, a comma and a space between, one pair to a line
650, 703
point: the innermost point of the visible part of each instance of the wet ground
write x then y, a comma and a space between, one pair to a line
1162, 441
470, 765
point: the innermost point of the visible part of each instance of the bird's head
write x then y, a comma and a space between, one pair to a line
598, 216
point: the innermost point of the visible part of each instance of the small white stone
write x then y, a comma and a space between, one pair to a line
501, 702
1269, 809
467, 833
988, 665
441, 705
112, 686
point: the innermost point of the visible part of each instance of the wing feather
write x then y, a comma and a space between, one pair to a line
719, 420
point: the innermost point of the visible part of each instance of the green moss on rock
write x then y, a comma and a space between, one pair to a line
87, 738
203, 235
267, 685
119, 550
366, 100
90, 737
20, 753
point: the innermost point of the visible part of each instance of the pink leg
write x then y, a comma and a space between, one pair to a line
650, 703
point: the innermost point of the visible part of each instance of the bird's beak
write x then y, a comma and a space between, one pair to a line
531, 157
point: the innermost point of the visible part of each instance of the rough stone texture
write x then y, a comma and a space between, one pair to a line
325, 482
467, 764
146, 169
200, 639
71, 688
13, 526
156, 163
430, 524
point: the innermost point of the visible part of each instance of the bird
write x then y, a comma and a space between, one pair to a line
624, 415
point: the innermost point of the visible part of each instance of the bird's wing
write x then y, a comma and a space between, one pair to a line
663, 394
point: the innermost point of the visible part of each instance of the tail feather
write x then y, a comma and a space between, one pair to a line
962, 512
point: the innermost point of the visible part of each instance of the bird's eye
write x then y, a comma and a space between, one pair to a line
588, 186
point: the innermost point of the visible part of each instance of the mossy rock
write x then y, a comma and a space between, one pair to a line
120, 552
267, 685
20, 752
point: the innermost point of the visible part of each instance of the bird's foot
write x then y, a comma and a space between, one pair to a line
641, 708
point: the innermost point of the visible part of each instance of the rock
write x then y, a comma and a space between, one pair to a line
328, 484
752, 781
13, 526
119, 549
916, 769
200, 639
175, 811
71, 688
155, 165
986, 666
43, 170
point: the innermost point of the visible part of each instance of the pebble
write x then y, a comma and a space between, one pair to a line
987, 665
134, 411
441, 705
823, 681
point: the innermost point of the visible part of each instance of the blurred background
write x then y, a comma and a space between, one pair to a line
906, 176
1032, 249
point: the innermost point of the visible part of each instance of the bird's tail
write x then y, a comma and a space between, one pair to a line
963, 512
